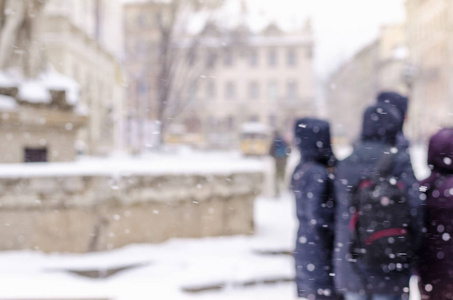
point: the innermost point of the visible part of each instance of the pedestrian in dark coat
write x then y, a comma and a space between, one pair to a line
381, 123
436, 255
279, 151
312, 187
401, 103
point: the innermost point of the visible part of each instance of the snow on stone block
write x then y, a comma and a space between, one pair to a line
7, 81
254, 127
59, 82
7, 103
34, 91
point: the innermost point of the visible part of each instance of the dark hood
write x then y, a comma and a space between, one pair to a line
394, 99
312, 137
381, 122
440, 151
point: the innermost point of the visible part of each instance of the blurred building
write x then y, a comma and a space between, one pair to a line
377, 67
232, 77
264, 77
83, 40
39, 118
431, 57
141, 57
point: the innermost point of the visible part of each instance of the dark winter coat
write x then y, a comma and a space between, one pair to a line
315, 208
380, 126
399, 102
279, 147
436, 255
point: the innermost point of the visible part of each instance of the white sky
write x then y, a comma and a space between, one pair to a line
341, 27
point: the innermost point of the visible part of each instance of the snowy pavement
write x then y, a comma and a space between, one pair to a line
236, 267
167, 268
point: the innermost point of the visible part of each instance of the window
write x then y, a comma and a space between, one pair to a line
228, 59
272, 58
254, 118
272, 120
192, 91
210, 90
309, 52
141, 21
230, 90
272, 92
253, 58
98, 19
191, 58
211, 60
193, 125
35, 155
292, 90
230, 122
291, 57
142, 89
253, 90
141, 48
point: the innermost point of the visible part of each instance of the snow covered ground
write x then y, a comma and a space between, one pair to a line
237, 267
167, 268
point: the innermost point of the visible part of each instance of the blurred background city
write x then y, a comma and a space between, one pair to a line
138, 133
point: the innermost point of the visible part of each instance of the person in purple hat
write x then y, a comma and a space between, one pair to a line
435, 265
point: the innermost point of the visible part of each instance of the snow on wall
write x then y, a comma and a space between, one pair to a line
7, 81
59, 82
38, 90
34, 91
154, 165
7, 103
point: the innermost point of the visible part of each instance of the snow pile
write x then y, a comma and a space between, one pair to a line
152, 164
7, 80
38, 90
34, 91
254, 127
59, 82
166, 268
7, 103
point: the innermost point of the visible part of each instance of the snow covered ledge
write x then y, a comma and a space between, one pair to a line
103, 204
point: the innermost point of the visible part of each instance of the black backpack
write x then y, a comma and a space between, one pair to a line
379, 226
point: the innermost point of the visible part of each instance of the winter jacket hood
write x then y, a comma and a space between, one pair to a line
394, 99
440, 151
381, 123
312, 138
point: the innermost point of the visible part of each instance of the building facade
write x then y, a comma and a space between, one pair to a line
265, 78
431, 55
141, 62
379, 66
82, 40
232, 77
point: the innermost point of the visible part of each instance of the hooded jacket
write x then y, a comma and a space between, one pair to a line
436, 255
400, 103
381, 123
315, 208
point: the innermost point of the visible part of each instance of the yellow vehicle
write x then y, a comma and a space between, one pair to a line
255, 139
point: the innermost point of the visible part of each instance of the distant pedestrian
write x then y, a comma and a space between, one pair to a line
401, 104
436, 255
312, 185
279, 151
374, 243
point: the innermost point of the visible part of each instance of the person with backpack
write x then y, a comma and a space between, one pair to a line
435, 266
378, 214
279, 151
312, 185
399, 102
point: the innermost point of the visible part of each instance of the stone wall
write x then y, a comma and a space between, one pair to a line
90, 213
